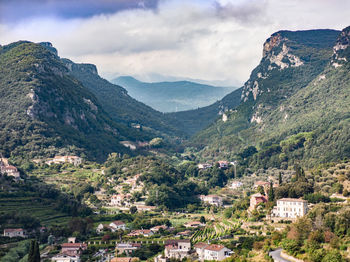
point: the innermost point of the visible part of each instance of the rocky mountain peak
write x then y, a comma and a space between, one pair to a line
341, 50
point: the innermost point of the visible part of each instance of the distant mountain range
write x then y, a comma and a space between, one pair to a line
172, 96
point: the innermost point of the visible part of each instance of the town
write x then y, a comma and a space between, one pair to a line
215, 227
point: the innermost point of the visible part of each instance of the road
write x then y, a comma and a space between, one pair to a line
276, 256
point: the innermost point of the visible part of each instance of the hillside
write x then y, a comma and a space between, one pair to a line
45, 111
119, 105
172, 96
293, 90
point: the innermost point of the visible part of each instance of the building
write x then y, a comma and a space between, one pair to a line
204, 166
290, 208
14, 232
256, 199
223, 164
142, 208
236, 184
261, 183
199, 248
117, 225
75, 160
65, 258
73, 249
216, 252
177, 249
120, 200
157, 228
127, 248
7, 169
141, 232
212, 199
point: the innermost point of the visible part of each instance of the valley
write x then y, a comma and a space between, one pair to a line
90, 173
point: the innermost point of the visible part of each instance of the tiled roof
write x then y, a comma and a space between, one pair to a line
214, 247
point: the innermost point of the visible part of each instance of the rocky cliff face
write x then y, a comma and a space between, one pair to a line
341, 50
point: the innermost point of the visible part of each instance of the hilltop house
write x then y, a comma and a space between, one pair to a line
14, 232
177, 249
7, 169
73, 249
211, 199
256, 199
290, 208
204, 166
75, 160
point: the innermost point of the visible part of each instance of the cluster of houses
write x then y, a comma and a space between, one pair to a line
182, 248
7, 169
221, 164
286, 208
75, 160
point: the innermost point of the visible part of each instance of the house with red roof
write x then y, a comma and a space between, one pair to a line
216, 252
14, 232
73, 249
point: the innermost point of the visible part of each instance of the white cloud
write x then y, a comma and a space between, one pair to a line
210, 40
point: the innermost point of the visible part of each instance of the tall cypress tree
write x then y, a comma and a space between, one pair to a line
271, 193
36, 252
31, 252
280, 178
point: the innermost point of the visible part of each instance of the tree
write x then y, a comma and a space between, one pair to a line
133, 210
261, 190
34, 253
280, 178
202, 220
271, 193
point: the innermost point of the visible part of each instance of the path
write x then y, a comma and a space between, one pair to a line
276, 256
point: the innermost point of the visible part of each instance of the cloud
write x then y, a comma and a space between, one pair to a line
218, 40
16, 10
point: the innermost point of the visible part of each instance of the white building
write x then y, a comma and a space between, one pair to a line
65, 258
14, 232
212, 199
120, 200
236, 184
177, 249
204, 166
290, 208
216, 252
75, 160
117, 225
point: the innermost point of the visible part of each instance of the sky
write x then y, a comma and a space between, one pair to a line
218, 41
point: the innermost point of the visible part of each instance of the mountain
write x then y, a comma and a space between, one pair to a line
193, 121
44, 110
119, 105
172, 96
293, 107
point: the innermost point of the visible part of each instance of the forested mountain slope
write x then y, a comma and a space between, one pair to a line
293, 106
45, 111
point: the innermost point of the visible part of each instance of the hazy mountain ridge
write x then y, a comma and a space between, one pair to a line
172, 96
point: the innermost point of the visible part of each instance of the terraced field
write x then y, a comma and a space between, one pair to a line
215, 231
42, 209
